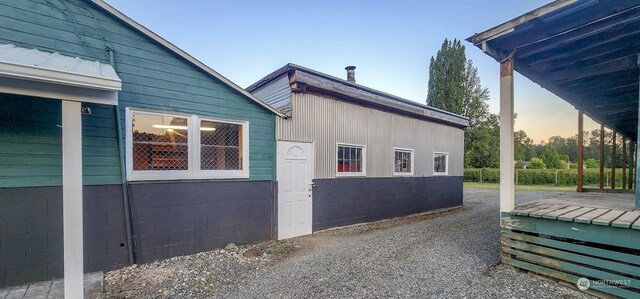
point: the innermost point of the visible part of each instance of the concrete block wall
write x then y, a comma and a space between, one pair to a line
181, 218
346, 201
31, 240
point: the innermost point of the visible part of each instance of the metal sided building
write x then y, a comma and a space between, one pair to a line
119, 147
349, 154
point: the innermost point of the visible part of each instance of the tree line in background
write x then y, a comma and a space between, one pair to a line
559, 152
454, 85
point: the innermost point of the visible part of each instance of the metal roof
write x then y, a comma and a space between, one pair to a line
52, 75
584, 51
363, 95
184, 55
32, 64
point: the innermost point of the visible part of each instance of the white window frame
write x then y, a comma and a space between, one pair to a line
364, 161
393, 158
446, 170
194, 145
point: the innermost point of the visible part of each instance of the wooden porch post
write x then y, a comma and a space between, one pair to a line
580, 150
601, 156
507, 172
613, 160
624, 162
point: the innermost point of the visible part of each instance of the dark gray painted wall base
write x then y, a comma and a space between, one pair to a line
31, 232
169, 219
181, 218
346, 201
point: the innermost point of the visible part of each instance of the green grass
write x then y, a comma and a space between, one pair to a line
521, 187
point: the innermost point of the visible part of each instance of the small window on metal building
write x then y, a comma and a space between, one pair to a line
440, 163
403, 161
351, 160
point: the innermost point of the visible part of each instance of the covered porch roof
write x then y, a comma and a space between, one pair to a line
584, 51
73, 81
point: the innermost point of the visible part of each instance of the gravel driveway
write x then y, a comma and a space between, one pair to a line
452, 254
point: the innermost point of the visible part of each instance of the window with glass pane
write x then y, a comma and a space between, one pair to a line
402, 161
220, 146
440, 163
349, 159
160, 142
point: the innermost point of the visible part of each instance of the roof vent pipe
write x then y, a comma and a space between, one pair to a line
351, 73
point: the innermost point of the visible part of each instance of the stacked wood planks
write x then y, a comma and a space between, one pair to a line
569, 242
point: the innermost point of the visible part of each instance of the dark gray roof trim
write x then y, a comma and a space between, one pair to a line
363, 95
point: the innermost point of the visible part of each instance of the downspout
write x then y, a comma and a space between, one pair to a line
123, 174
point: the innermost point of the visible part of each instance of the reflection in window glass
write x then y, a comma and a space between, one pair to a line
160, 142
402, 161
220, 146
349, 159
440, 163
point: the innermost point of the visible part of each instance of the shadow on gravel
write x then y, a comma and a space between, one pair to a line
359, 229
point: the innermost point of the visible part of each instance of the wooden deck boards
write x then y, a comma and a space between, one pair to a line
539, 213
636, 225
608, 217
580, 214
572, 215
555, 214
626, 220
588, 217
525, 210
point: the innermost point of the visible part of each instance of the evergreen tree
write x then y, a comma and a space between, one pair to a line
447, 77
454, 85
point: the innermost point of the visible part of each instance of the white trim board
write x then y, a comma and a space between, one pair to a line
194, 171
110, 9
58, 92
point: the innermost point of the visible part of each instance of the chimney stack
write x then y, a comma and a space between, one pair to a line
351, 73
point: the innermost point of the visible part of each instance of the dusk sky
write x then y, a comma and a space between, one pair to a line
390, 42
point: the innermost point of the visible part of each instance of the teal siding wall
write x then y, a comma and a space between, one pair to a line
31, 150
153, 78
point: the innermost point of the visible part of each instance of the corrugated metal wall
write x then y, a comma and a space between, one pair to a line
326, 121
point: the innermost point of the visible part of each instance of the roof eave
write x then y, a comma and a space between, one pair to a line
397, 104
510, 25
461, 121
116, 13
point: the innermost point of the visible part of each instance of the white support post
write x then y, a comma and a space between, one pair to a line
72, 199
637, 166
507, 172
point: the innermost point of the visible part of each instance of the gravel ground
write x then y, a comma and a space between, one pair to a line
451, 254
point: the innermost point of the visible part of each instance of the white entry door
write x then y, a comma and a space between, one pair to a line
295, 175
